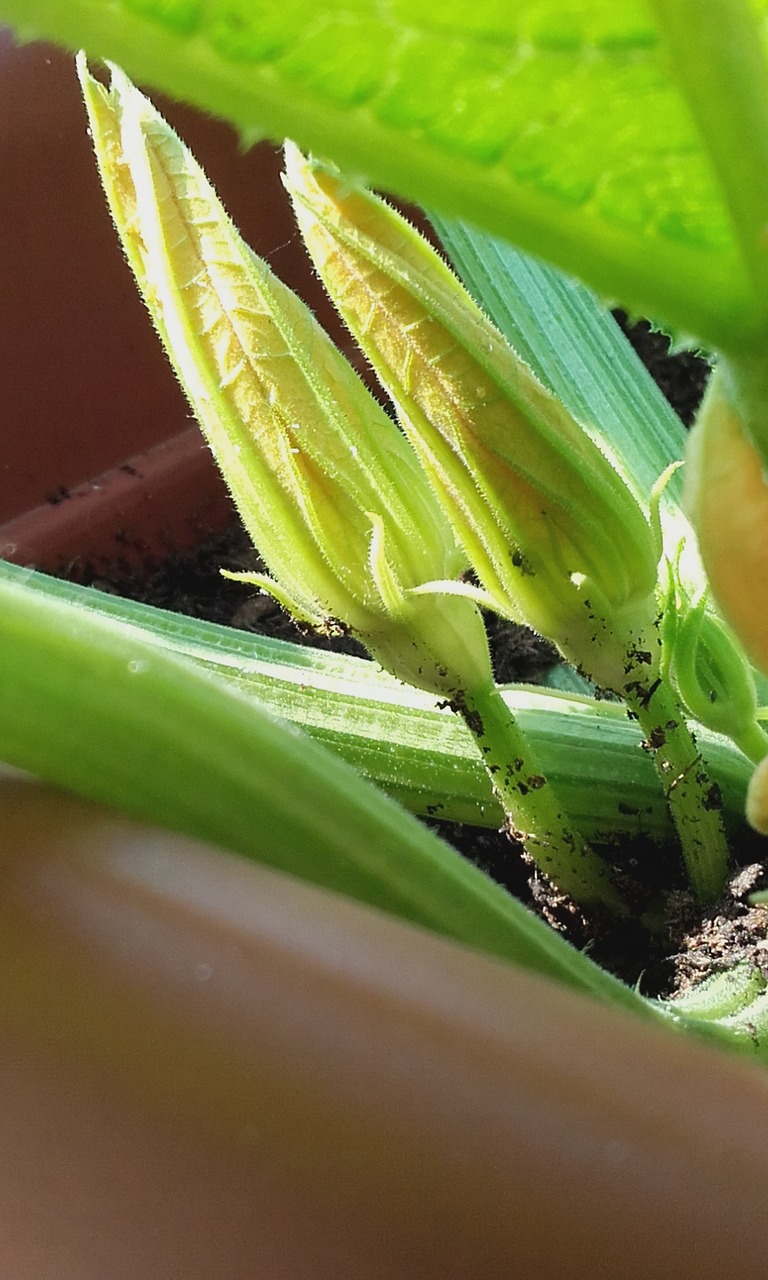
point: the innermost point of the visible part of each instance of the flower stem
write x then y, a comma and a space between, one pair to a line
693, 798
534, 814
753, 742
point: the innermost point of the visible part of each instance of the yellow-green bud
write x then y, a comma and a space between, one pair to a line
552, 529
329, 489
726, 496
712, 674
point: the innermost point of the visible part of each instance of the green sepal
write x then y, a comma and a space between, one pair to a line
712, 674
263, 582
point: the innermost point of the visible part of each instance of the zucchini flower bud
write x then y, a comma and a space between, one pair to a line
726, 496
556, 536
329, 489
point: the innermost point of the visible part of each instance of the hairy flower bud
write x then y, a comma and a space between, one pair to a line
329, 489
556, 536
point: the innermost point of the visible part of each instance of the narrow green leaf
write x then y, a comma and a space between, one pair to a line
93, 705
396, 737
559, 126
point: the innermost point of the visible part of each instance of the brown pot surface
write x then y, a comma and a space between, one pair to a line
87, 393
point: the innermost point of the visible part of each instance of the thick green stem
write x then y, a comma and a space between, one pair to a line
694, 800
753, 742
534, 814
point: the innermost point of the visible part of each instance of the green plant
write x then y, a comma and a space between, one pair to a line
176, 694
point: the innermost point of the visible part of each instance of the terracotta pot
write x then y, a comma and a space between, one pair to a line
100, 463
210, 1070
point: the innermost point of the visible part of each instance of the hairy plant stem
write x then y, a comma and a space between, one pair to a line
533, 812
693, 798
753, 742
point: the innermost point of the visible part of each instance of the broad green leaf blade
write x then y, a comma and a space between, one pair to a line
557, 126
91, 704
396, 737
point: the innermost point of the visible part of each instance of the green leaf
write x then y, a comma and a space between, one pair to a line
557, 125
93, 704
396, 737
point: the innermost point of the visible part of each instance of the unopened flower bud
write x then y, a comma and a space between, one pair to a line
329, 489
726, 496
556, 536
712, 674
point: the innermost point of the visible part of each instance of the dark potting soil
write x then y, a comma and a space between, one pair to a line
685, 948
680, 376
